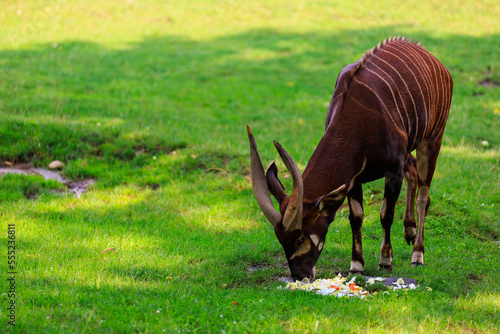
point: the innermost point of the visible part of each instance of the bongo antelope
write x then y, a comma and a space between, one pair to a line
392, 101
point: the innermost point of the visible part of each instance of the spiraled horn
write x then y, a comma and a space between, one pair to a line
259, 183
292, 220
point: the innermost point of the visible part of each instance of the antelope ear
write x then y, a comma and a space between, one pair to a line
329, 204
274, 184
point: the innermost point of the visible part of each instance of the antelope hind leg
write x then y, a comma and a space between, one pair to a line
411, 178
427, 153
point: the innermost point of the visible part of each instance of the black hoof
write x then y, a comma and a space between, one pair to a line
410, 241
417, 264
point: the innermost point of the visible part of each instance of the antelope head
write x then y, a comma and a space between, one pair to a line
300, 225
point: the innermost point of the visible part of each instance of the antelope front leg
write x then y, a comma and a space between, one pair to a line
355, 198
392, 188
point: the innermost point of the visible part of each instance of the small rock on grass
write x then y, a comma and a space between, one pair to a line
56, 164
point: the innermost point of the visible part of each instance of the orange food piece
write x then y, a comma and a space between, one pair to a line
353, 286
335, 287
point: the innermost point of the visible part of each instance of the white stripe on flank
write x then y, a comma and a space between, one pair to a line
393, 95
361, 104
418, 84
382, 101
436, 98
422, 76
426, 73
433, 83
411, 96
414, 62
351, 183
440, 91
446, 90
399, 93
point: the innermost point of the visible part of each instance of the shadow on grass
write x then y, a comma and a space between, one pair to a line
206, 91
107, 112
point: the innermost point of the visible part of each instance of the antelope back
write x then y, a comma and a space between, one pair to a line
403, 81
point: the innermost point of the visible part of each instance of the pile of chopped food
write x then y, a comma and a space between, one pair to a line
340, 287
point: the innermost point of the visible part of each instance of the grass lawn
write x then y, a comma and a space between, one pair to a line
151, 100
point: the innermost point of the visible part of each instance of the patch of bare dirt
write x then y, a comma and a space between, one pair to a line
255, 267
489, 83
76, 187
474, 278
264, 265
79, 187
285, 279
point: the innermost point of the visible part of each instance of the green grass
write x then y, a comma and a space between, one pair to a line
16, 187
151, 99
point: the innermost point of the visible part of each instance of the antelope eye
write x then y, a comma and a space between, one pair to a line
301, 240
